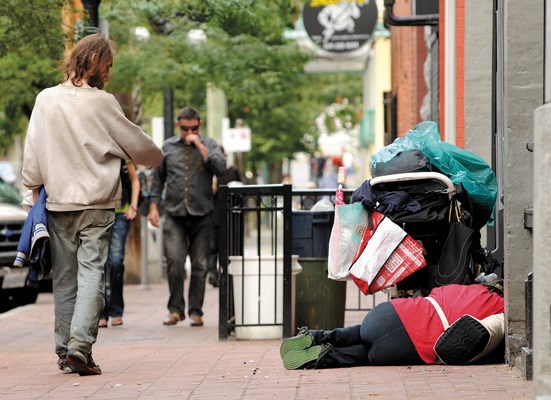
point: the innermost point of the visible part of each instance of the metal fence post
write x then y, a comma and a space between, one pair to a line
288, 308
223, 313
144, 252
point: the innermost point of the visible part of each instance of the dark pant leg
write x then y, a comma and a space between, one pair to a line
380, 340
199, 231
213, 255
114, 268
176, 246
339, 337
346, 348
343, 357
389, 342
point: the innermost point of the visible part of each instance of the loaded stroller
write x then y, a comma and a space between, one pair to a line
441, 196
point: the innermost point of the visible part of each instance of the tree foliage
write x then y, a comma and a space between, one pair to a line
31, 44
245, 54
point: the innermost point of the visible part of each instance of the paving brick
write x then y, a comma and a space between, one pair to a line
143, 359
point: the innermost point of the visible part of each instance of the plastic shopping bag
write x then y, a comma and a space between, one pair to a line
346, 235
385, 256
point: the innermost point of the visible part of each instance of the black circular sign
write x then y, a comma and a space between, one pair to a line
340, 25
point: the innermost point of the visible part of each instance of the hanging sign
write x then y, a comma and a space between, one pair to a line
340, 25
236, 139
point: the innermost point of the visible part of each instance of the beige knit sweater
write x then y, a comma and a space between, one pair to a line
75, 140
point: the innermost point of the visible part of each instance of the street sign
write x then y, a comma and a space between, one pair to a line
236, 140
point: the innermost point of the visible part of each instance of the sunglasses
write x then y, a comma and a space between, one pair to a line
188, 128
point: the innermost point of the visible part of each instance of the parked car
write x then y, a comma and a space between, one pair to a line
8, 172
13, 291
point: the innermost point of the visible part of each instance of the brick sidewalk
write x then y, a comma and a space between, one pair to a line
145, 360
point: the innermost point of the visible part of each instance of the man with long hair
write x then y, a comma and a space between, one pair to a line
76, 138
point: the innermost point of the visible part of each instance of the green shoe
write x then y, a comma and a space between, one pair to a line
299, 342
295, 359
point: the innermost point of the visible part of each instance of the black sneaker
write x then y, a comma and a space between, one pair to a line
82, 362
465, 339
65, 367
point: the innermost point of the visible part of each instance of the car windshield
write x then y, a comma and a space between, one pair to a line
8, 194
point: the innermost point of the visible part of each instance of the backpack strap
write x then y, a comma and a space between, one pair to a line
439, 311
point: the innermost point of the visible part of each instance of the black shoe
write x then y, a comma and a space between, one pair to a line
82, 362
465, 339
213, 280
64, 366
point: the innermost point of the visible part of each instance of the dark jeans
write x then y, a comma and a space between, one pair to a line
185, 236
380, 340
114, 269
213, 256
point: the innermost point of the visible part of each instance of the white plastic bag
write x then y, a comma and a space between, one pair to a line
386, 255
346, 235
324, 204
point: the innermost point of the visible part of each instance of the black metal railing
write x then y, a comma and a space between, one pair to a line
256, 222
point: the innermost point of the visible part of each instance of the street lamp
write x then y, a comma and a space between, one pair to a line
91, 7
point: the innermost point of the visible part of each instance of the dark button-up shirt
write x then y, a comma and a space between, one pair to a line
187, 177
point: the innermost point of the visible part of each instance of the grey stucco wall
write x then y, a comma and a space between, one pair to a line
478, 83
542, 251
523, 93
523, 80
478, 78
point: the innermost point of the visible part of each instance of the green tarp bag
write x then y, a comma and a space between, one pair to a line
461, 166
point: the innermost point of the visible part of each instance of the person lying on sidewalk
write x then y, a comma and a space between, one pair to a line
456, 324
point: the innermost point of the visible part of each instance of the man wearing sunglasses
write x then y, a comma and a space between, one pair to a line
191, 160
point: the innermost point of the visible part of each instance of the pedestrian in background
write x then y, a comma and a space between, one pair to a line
114, 268
231, 174
76, 138
191, 161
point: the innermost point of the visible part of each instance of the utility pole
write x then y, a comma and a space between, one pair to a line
91, 7
168, 104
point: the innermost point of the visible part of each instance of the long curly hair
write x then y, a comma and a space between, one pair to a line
89, 61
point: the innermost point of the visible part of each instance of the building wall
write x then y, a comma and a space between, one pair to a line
477, 85
523, 93
408, 55
453, 134
542, 234
460, 74
478, 78
523, 57
441, 47
383, 67
376, 82
542, 251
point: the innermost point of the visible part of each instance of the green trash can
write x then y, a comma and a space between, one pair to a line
320, 301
